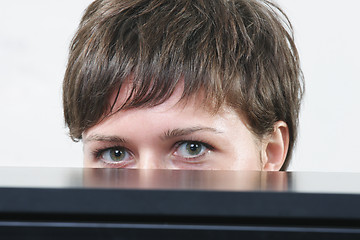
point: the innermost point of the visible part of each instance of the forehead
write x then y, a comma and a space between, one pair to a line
173, 112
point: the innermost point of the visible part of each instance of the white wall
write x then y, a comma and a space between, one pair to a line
328, 38
34, 38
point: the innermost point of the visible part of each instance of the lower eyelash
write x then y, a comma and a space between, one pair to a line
113, 165
97, 153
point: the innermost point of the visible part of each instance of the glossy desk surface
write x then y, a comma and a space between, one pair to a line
178, 180
281, 202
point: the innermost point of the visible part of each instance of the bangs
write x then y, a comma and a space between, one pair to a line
156, 50
156, 46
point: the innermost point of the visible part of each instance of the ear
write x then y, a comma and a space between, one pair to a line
275, 147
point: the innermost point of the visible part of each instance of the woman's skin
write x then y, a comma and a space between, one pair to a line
181, 135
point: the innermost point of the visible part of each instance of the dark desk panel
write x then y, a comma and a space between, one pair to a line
58, 203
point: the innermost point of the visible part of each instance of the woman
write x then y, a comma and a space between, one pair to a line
184, 84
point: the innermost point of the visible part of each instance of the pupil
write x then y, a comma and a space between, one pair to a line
194, 148
117, 155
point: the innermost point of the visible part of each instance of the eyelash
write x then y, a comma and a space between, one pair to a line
198, 159
204, 143
98, 152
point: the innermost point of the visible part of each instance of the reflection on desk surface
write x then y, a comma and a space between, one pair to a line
180, 180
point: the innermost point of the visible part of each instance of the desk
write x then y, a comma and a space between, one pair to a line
74, 203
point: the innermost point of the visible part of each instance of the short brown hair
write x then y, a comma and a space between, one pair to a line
240, 52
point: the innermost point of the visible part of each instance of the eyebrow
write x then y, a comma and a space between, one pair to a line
102, 138
178, 132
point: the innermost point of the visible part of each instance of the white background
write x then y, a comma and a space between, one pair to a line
34, 40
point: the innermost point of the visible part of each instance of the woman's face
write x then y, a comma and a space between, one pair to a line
172, 135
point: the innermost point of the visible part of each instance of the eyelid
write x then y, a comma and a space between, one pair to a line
204, 143
195, 159
99, 152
